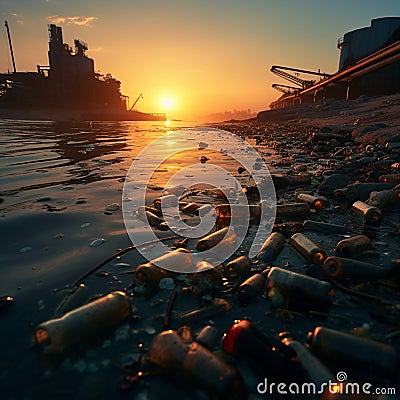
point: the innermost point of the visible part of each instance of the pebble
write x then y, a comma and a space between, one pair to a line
167, 283
25, 249
112, 207
97, 242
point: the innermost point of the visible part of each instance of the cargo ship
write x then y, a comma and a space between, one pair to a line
66, 89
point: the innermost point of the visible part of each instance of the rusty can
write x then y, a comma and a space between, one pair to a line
370, 214
307, 248
353, 245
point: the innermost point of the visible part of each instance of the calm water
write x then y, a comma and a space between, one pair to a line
55, 182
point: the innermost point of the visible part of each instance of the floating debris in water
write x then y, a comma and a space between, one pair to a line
85, 224
59, 236
81, 201
25, 249
97, 242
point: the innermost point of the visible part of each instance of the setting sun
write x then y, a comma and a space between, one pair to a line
167, 103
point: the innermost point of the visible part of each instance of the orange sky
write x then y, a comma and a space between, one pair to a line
191, 58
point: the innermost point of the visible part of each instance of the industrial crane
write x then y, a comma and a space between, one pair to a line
304, 84
285, 89
134, 104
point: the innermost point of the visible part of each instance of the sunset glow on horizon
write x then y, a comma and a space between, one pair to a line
191, 59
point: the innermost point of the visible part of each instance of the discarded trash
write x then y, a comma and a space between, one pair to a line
112, 207
384, 198
190, 359
238, 267
365, 355
5, 302
370, 214
271, 247
294, 210
57, 335
252, 287
300, 287
312, 201
307, 248
338, 268
352, 246
227, 235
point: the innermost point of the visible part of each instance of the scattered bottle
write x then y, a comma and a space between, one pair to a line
313, 201
152, 219
148, 276
360, 191
224, 212
196, 363
243, 340
217, 306
307, 248
293, 210
227, 235
370, 214
271, 247
60, 334
384, 198
365, 355
390, 178
240, 266
324, 227
313, 368
293, 285
175, 190
353, 246
169, 200
338, 268
252, 287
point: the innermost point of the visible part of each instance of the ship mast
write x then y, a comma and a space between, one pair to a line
10, 44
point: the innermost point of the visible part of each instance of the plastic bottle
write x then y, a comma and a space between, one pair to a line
297, 285
324, 227
338, 268
196, 363
271, 247
209, 336
353, 245
390, 178
313, 201
166, 201
370, 214
252, 287
190, 208
364, 354
224, 212
313, 368
293, 210
57, 335
307, 248
384, 198
238, 267
227, 235
243, 340
148, 275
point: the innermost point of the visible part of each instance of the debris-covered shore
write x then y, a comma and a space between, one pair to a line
321, 298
